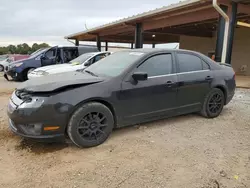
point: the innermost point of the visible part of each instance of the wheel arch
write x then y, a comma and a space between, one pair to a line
25, 71
224, 90
27, 68
99, 100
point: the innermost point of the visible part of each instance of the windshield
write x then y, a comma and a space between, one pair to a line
81, 59
114, 64
38, 52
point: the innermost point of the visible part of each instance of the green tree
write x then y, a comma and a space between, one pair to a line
35, 47
25, 49
22, 48
11, 49
3, 50
43, 45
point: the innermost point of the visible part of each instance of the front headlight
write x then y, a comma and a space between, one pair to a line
34, 102
18, 64
15, 65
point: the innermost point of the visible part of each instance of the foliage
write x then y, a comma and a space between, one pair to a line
22, 48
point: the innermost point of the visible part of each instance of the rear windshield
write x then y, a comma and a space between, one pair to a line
114, 64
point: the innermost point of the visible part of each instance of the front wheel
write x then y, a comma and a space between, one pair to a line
90, 125
24, 74
213, 103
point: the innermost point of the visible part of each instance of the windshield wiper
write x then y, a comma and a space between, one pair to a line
93, 74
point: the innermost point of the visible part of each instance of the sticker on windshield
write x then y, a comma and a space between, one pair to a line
75, 63
136, 53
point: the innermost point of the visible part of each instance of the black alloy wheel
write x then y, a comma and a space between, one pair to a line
213, 103
90, 125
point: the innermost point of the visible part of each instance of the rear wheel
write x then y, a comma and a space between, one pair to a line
213, 103
90, 125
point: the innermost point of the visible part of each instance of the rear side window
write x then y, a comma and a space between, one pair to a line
188, 63
70, 54
157, 65
205, 66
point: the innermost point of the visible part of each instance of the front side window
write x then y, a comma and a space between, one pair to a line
51, 53
157, 65
100, 56
189, 63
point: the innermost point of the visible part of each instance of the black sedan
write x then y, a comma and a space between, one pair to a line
126, 88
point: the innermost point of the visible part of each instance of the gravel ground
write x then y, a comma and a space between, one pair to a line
184, 152
7, 86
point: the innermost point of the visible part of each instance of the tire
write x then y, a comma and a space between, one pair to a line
213, 103
24, 74
90, 125
1, 68
29, 71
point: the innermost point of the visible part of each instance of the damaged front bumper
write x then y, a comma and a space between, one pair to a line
41, 138
13, 74
31, 119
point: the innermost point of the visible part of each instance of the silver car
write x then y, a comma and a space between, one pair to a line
78, 63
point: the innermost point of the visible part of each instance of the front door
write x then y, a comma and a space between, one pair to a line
154, 97
50, 57
194, 81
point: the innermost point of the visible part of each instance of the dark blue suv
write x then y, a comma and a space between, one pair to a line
19, 70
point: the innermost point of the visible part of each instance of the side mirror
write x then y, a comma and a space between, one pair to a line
140, 76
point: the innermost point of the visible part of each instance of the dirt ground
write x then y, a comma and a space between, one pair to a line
184, 152
7, 86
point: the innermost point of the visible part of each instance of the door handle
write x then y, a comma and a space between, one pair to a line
169, 83
208, 78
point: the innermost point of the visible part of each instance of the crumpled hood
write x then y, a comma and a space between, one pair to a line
54, 82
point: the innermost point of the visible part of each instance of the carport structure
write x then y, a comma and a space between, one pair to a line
195, 24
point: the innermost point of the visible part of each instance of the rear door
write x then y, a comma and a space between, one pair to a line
154, 97
194, 81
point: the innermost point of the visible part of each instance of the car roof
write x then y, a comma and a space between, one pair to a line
81, 46
153, 50
96, 53
93, 53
